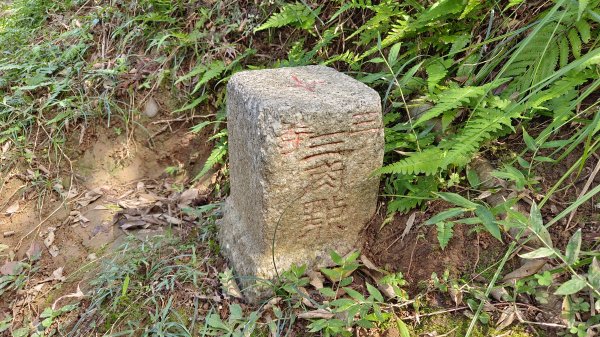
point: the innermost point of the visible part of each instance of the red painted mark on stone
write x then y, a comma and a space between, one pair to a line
308, 86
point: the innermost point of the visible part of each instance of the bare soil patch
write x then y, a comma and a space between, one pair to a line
417, 254
116, 176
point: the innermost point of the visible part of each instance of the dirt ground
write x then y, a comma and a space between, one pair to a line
119, 178
417, 254
116, 177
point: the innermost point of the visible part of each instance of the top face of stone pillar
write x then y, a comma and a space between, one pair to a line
303, 143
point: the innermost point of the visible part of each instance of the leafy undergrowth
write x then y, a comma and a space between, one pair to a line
491, 107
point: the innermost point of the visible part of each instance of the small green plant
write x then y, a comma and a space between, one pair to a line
236, 325
483, 215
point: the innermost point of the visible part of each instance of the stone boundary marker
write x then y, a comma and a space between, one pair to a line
303, 144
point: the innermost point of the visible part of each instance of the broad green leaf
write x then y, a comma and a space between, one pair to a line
125, 286
21, 332
458, 200
374, 292
573, 248
594, 274
393, 55
447, 214
529, 141
342, 304
354, 294
489, 221
215, 321
544, 279
402, 328
537, 225
336, 258
524, 163
327, 292
473, 178
538, 253
570, 287
543, 159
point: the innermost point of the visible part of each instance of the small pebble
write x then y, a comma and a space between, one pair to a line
151, 109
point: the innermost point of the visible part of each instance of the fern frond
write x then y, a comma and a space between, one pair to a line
480, 128
436, 71
454, 98
558, 88
216, 157
427, 162
294, 13
444, 233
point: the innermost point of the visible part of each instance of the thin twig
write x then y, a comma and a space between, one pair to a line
583, 192
436, 313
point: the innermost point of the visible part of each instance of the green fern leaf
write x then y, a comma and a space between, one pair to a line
480, 128
584, 30
436, 71
563, 46
471, 4
454, 98
214, 70
216, 157
427, 162
575, 42
529, 67
581, 8
547, 63
296, 14
444, 233
558, 88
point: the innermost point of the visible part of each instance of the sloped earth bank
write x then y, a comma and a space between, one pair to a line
118, 186
406, 245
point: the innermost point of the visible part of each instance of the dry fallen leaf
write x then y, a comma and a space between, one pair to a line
527, 269
506, 318
319, 313
53, 250
58, 274
456, 295
409, 224
186, 198
134, 224
10, 268
49, 240
77, 294
12, 208
316, 279
5, 147
90, 196
172, 220
369, 264
231, 288
500, 294
305, 297
35, 251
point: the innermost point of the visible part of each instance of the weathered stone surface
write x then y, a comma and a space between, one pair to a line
303, 144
